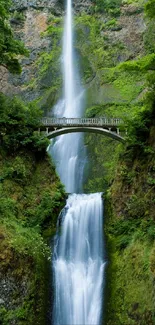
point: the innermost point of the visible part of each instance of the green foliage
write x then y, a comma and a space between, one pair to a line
18, 17
131, 233
54, 31
16, 170
26, 193
144, 64
130, 243
149, 37
25, 262
31, 197
23, 240
8, 207
111, 22
47, 210
18, 123
92, 44
103, 160
139, 128
101, 168
150, 8
9, 47
108, 6
49, 65
94, 111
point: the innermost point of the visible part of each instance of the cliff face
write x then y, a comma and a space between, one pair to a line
102, 41
31, 197
106, 44
112, 39
129, 227
29, 20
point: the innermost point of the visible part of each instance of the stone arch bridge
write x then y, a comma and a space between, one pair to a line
110, 127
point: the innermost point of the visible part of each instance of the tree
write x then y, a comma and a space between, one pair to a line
10, 48
150, 8
17, 125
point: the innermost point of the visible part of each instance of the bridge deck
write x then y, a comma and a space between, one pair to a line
96, 122
106, 126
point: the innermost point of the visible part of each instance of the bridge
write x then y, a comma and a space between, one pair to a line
110, 127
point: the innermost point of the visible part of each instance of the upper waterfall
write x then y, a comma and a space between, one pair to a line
69, 87
68, 150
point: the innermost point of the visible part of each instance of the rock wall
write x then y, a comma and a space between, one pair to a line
50, 5
35, 4
29, 21
24, 254
29, 31
102, 42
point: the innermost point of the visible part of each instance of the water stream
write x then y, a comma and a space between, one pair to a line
78, 264
67, 148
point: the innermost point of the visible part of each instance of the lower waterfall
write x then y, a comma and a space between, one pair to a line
78, 262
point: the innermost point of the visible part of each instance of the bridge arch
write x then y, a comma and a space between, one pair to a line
102, 131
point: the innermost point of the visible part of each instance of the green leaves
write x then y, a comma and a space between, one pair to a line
19, 125
9, 46
144, 64
110, 6
150, 8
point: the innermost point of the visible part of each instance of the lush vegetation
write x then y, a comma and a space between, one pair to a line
31, 197
130, 205
18, 125
108, 6
130, 231
119, 79
9, 46
48, 65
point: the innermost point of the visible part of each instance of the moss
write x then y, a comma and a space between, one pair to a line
101, 168
129, 270
111, 7
18, 17
129, 228
23, 270
49, 77
144, 64
31, 199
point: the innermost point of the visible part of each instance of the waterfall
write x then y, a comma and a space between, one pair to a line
78, 264
66, 149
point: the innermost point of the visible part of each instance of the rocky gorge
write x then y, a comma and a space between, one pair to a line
115, 53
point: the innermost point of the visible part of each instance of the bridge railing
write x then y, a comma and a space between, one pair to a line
100, 121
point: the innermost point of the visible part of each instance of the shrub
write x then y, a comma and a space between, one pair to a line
18, 124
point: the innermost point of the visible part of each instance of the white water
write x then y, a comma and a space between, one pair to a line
78, 258
66, 149
78, 263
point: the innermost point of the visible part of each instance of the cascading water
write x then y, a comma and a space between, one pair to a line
65, 150
78, 251
78, 263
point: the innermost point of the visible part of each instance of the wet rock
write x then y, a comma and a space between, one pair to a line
2, 302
